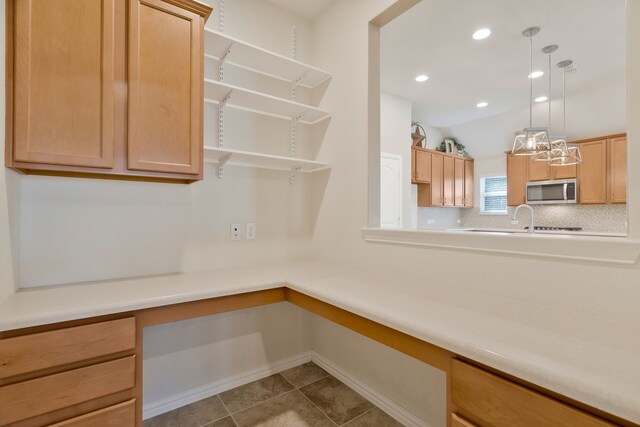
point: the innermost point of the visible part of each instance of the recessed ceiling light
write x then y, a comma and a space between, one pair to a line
541, 99
422, 78
482, 104
482, 33
536, 74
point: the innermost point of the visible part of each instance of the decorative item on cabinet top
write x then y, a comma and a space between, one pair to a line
419, 139
77, 110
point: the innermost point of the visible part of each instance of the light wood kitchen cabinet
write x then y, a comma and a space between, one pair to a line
422, 168
77, 375
165, 102
448, 180
469, 183
537, 171
458, 190
484, 398
437, 180
63, 82
592, 173
618, 170
541, 171
444, 180
87, 96
517, 172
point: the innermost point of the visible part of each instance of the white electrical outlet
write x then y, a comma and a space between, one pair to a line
235, 231
514, 222
251, 231
458, 221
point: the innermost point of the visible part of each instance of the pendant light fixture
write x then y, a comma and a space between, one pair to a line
531, 141
570, 153
557, 144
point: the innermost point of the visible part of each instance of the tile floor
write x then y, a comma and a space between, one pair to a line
298, 397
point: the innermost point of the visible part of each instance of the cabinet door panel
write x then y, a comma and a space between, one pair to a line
165, 88
458, 187
423, 166
469, 183
564, 172
538, 170
516, 179
437, 176
448, 180
592, 173
618, 170
64, 82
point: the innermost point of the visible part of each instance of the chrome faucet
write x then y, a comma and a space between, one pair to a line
515, 214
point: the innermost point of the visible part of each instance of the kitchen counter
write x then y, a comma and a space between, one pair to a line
555, 232
589, 359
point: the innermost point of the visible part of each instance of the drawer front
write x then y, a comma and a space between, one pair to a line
39, 396
121, 415
488, 399
44, 350
457, 421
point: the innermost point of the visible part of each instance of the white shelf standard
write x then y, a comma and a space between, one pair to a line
221, 47
226, 156
224, 94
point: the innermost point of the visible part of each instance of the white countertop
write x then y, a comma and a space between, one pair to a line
600, 368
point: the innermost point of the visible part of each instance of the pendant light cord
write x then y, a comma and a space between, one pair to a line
564, 102
530, 81
549, 93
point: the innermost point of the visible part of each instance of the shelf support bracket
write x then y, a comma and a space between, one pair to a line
295, 83
221, 62
221, 163
221, 106
294, 126
294, 171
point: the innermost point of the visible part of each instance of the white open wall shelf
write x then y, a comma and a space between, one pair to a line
249, 100
219, 46
260, 160
228, 50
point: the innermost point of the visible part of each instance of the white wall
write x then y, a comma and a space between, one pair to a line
341, 44
395, 138
407, 381
73, 230
184, 355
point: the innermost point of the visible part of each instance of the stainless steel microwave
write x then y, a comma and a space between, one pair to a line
559, 191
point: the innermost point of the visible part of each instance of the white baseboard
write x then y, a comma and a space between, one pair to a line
170, 403
192, 395
396, 411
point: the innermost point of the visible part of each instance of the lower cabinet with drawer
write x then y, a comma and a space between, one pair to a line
481, 398
72, 376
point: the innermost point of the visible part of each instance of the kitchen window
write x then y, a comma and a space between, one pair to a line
493, 195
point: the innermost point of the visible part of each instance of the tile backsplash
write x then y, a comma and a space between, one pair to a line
595, 218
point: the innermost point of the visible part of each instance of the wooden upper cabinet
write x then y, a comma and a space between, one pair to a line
165, 88
437, 179
63, 82
448, 180
516, 179
469, 183
592, 173
422, 166
458, 187
563, 172
618, 170
537, 170
87, 95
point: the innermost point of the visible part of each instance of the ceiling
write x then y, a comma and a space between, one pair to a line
434, 38
309, 9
